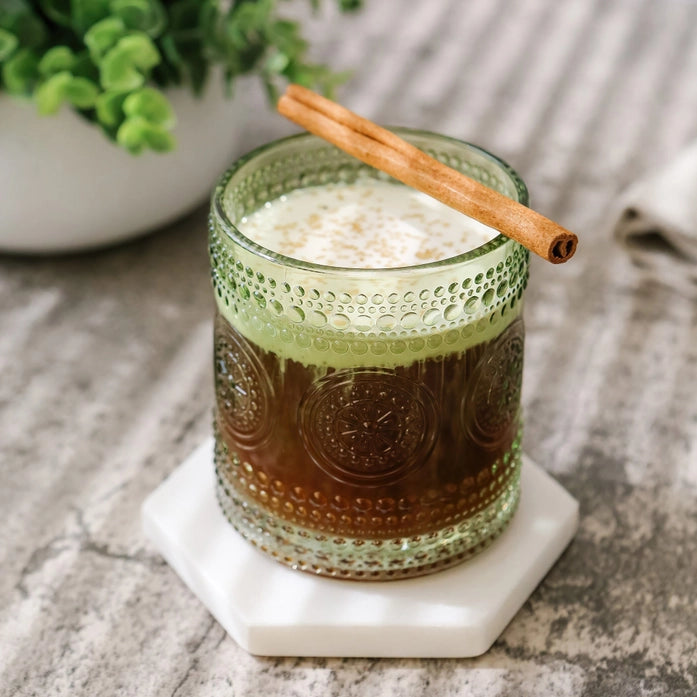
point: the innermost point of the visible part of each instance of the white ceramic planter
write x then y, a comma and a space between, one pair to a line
64, 187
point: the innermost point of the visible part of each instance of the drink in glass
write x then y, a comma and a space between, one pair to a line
368, 361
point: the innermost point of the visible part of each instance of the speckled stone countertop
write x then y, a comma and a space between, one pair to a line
106, 382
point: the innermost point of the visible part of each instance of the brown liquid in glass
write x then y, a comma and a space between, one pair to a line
363, 452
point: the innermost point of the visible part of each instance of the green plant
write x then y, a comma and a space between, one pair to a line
109, 59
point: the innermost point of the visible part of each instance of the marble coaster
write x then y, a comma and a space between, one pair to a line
271, 610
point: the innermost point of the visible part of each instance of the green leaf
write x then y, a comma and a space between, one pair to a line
20, 72
171, 53
118, 72
109, 108
188, 14
86, 13
81, 92
131, 134
277, 62
152, 105
126, 66
19, 18
55, 60
137, 133
8, 44
160, 140
103, 36
64, 87
286, 36
141, 49
148, 16
50, 95
58, 11
272, 91
197, 70
84, 67
350, 5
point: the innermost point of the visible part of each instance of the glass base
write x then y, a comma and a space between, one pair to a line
308, 550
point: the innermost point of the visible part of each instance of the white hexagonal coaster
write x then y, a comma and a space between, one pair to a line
271, 610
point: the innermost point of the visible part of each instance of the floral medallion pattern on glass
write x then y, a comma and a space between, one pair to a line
243, 390
490, 407
368, 427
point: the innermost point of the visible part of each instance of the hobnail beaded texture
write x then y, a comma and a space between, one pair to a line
365, 422
358, 317
277, 527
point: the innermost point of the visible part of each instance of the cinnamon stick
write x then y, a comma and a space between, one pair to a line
388, 152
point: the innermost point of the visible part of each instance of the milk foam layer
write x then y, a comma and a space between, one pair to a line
361, 316
365, 224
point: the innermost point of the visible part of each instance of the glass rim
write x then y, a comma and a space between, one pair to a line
233, 232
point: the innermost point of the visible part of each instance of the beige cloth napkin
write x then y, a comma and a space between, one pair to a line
657, 222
